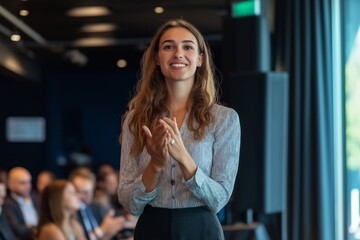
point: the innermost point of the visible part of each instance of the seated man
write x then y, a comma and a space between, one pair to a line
98, 222
5, 229
106, 194
20, 206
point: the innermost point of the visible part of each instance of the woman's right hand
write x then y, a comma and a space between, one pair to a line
156, 144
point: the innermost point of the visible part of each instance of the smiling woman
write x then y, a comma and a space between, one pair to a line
178, 56
180, 147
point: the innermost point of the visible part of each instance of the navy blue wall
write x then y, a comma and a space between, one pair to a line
82, 111
21, 98
84, 114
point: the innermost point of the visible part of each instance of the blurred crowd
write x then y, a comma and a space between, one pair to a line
84, 206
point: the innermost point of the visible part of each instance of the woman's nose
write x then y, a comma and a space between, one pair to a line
179, 53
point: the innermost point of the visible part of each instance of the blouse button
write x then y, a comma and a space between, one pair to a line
172, 182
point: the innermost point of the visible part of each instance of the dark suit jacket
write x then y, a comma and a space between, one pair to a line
98, 211
6, 232
16, 219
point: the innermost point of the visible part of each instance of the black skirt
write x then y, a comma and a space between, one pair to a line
197, 223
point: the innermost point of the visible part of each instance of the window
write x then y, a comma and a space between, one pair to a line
351, 30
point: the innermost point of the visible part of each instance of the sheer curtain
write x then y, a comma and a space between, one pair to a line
302, 44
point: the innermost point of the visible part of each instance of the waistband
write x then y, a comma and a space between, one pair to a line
150, 209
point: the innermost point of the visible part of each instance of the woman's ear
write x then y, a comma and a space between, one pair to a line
200, 59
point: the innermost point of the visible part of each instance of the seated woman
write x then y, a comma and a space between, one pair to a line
57, 213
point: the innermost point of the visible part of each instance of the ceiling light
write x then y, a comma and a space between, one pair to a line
15, 37
121, 63
24, 12
99, 27
159, 10
88, 11
94, 42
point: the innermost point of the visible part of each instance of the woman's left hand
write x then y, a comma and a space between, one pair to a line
176, 146
177, 149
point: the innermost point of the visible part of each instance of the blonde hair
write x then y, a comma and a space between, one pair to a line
149, 102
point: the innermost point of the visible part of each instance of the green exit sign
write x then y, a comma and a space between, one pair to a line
245, 8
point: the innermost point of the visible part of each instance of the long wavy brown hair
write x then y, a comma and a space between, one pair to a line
51, 208
150, 100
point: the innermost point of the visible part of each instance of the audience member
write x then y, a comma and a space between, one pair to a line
20, 206
57, 213
106, 194
98, 222
104, 169
43, 179
6, 232
106, 188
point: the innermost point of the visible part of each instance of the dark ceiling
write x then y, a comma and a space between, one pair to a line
53, 36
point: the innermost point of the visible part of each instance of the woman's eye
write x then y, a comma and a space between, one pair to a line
188, 47
167, 47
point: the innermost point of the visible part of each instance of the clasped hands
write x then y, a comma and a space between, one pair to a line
164, 140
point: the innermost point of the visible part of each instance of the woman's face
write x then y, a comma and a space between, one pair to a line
70, 198
178, 55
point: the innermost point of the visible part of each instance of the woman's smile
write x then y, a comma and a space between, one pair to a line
179, 54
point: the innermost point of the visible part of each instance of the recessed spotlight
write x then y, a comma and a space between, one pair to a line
121, 63
99, 27
15, 37
24, 12
88, 11
159, 10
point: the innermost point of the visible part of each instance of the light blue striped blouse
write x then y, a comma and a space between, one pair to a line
217, 158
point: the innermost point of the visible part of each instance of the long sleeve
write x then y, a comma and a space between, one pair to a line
215, 190
131, 190
14, 215
5, 228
